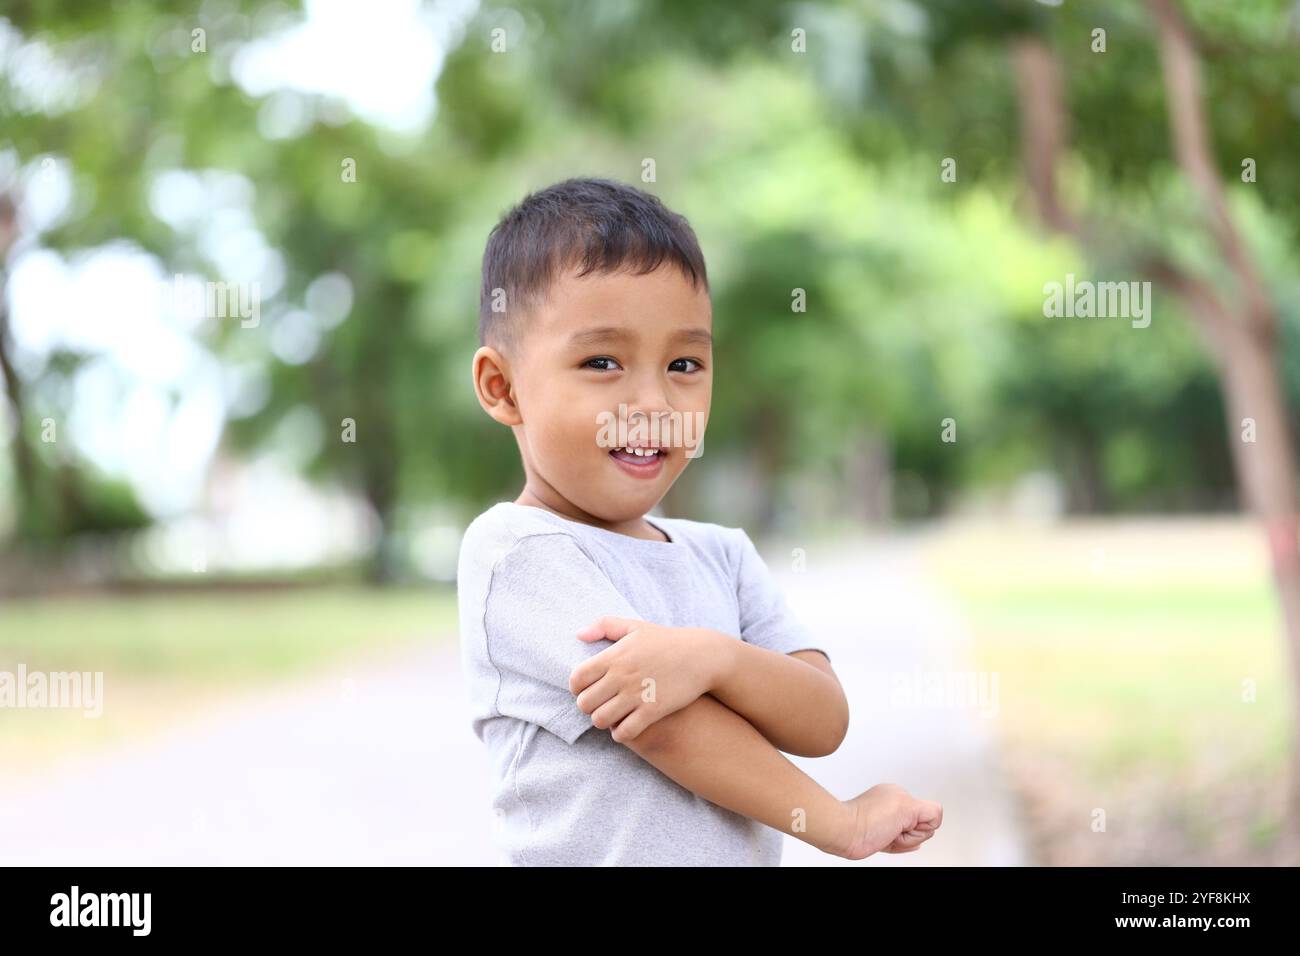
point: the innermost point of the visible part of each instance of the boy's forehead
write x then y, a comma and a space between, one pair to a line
664, 299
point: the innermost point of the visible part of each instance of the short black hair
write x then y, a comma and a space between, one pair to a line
593, 224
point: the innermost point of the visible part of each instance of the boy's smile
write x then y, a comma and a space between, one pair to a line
607, 392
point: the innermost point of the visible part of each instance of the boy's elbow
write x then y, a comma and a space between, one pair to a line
829, 745
825, 739
839, 730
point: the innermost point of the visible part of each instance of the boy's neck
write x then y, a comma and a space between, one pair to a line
634, 528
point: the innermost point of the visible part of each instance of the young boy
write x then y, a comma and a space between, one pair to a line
634, 680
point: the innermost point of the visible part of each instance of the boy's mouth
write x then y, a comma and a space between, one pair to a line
641, 462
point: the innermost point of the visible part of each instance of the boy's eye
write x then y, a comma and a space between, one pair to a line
673, 366
596, 364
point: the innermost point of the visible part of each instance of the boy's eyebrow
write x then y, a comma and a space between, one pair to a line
610, 333
702, 336
603, 334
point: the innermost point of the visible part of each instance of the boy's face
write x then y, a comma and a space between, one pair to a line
600, 342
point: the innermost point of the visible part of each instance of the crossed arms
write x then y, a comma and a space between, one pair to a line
721, 712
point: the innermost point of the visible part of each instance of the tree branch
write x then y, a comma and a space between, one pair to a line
1189, 129
1043, 137
1043, 129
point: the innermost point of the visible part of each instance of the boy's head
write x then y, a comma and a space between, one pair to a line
595, 328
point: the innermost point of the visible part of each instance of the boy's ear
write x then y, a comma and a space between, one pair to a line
493, 388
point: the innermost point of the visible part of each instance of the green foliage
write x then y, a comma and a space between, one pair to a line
816, 171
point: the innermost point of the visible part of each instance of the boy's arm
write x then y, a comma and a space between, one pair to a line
794, 700
777, 677
714, 752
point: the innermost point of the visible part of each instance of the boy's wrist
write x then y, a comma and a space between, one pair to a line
845, 830
832, 825
722, 655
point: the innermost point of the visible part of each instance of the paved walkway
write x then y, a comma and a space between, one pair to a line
887, 631
364, 766
379, 766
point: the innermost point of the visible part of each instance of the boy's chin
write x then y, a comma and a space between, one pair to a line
623, 508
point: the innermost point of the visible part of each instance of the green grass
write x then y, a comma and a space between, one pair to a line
1081, 605
1133, 682
1125, 675
227, 636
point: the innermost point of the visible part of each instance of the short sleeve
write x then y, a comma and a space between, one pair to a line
541, 594
765, 618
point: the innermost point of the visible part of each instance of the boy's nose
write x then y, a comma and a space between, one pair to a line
648, 408
649, 399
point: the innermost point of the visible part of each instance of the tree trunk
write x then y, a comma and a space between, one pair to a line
30, 501
1266, 475
1246, 339
1241, 337
379, 485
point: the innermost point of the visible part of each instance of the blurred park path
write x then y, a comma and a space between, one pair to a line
365, 766
377, 765
881, 621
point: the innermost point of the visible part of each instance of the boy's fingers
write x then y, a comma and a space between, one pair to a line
608, 629
935, 816
587, 673
612, 710
628, 728
597, 694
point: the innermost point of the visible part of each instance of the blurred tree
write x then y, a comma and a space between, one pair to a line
1239, 318
815, 170
1187, 236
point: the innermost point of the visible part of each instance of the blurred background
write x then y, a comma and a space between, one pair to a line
239, 254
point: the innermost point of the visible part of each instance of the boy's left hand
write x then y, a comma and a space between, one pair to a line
650, 672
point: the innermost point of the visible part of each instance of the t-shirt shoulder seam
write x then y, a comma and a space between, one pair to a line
487, 597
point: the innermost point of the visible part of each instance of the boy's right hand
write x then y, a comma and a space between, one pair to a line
888, 819
648, 672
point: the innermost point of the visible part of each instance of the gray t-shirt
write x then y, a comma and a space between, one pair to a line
565, 792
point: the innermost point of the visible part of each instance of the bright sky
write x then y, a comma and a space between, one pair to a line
382, 57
